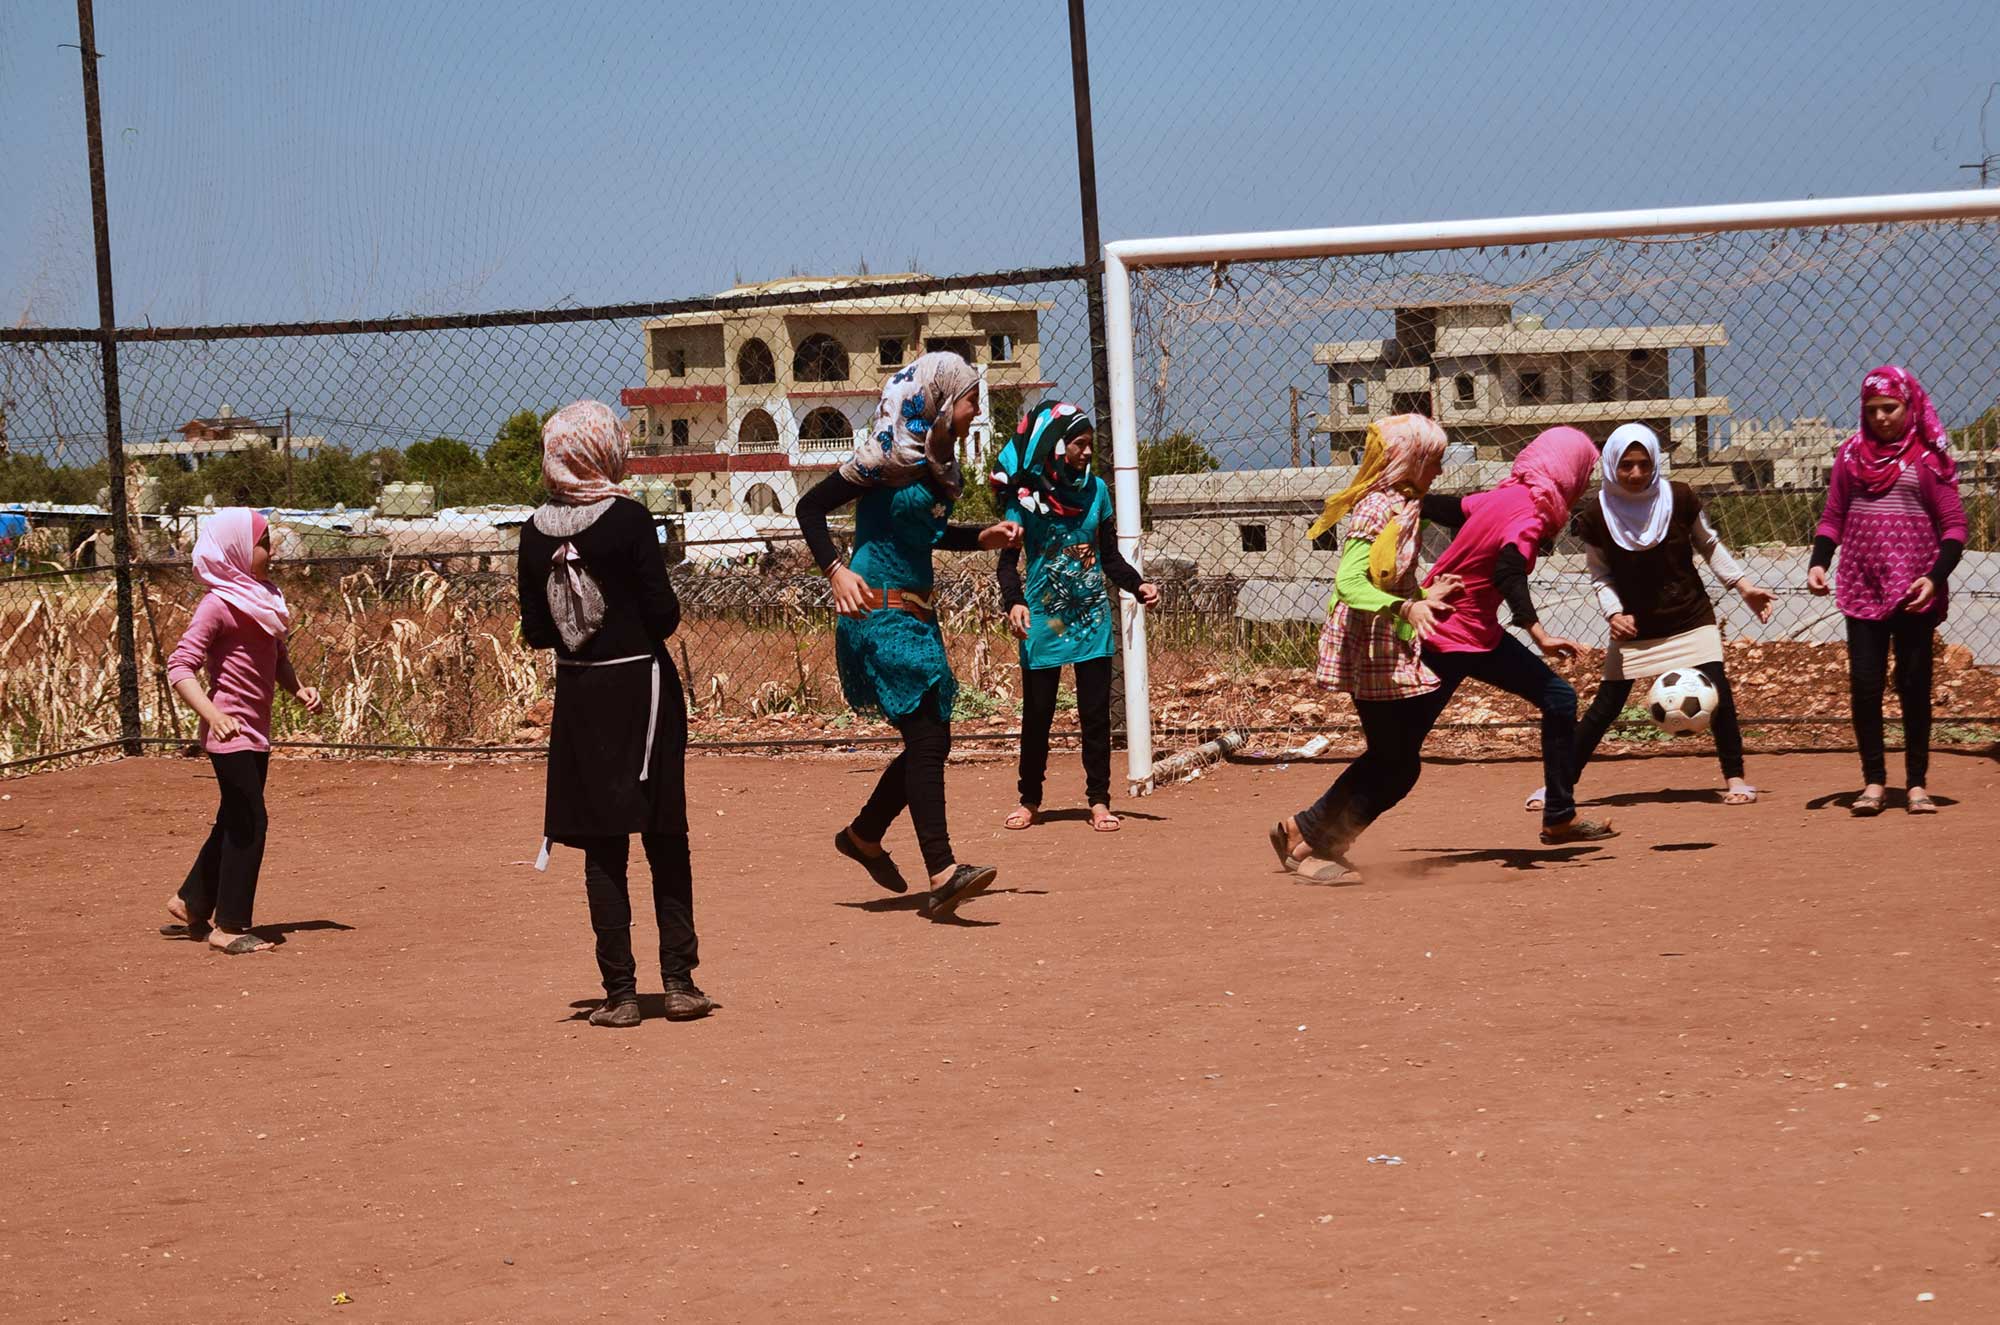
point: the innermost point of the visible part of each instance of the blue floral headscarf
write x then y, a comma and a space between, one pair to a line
911, 436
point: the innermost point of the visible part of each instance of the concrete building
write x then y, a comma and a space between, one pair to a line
1494, 380
227, 433
1793, 457
743, 410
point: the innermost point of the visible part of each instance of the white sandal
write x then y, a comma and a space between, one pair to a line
1536, 799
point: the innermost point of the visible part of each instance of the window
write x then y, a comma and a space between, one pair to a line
820, 358
685, 491
959, 345
659, 428
1463, 387
1640, 356
1000, 348
680, 432
826, 429
890, 351
1252, 536
1603, 385
1357, 394
754, 364
1533, 390
677, 362
757, 432
1327, 542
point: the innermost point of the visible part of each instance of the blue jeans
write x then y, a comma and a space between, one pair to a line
1396, 729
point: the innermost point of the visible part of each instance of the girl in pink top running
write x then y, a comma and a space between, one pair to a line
237, 636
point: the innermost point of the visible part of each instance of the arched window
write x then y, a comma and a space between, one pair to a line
820, 358
754, 364
757, 432
826, 429
761, 500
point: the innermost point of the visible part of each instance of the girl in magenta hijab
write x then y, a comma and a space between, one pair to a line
1892, 510
237, 636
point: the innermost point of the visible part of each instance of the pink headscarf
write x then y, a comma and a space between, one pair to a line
222, 560
583, 454
1877, 465
1556, 468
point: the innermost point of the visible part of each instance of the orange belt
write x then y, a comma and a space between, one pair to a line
901, 600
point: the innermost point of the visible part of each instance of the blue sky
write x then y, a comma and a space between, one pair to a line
321, 158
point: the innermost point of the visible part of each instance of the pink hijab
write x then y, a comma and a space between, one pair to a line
1556, 468
583, 454
222, 560
1878, 465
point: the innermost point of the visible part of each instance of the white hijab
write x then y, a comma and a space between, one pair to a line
1636, 522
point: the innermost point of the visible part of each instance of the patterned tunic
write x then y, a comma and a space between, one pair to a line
1365, 650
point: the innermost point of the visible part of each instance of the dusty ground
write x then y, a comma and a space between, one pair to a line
1737, 1066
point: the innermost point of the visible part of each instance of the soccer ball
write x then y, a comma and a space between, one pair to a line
1683, 702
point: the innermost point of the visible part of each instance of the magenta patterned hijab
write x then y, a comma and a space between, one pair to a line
1877, 465
1556, 468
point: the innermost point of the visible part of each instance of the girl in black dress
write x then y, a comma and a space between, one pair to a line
593, 585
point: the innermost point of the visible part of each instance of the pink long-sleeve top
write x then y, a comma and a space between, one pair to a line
241, 659
1888, 542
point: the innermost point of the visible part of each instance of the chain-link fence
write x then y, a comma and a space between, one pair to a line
399, 460
1256, 383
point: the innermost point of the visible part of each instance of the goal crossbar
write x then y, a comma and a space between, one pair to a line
1123, 257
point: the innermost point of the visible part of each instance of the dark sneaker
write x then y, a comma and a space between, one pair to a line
687, 1003
880, 868
1576, 829
966, 881
623, 1012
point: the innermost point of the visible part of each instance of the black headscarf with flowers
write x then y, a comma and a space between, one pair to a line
1033, 471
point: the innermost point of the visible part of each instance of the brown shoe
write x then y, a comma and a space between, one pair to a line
687, 1003
1576, 829
624, 1012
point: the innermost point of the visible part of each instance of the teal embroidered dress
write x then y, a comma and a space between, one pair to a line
1069, 609
890, 659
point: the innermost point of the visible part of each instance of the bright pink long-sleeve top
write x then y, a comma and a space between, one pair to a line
241, 659
1888, 542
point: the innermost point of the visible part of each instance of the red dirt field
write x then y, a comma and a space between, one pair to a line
1738, 1065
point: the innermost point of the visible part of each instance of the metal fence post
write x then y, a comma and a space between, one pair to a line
114, 430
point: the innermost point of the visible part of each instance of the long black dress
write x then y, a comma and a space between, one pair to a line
597, 748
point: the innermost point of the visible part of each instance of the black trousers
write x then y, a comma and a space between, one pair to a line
1913, 641
1609, 702
222, 887
1093, 715
914, 780
604, 882
1396, 730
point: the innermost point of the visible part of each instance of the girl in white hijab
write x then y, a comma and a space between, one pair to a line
1640, 539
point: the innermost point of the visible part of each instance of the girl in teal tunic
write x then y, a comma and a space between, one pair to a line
904, 479
1064, 617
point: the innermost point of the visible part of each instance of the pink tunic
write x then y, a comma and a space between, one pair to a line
1889, 542
1504, 517
241, 659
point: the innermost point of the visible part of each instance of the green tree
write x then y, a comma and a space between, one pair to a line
27, 478
241, 478
516, 452
440, 460
334, 477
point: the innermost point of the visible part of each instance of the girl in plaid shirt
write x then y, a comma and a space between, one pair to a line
1370, 647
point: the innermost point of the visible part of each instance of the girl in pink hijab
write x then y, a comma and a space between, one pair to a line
237, 636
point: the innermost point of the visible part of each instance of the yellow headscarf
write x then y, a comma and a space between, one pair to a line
1395, 451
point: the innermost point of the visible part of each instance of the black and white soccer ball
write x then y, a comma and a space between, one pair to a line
1683, 701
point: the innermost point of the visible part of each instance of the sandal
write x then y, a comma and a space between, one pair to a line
1105, 823
1024, 816
242, 944
1743, 796
1866, 805
1920, 803
880, 868
1281, 842
1325, 869
1536, 799
1577, 829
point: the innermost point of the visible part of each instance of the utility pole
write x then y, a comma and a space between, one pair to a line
1987, 160
1086, 188
290, 500
114, 423
1295, 427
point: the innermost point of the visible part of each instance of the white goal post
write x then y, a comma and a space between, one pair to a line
1123, 257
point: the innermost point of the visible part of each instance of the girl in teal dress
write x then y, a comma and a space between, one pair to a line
904, 479
1064, 616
